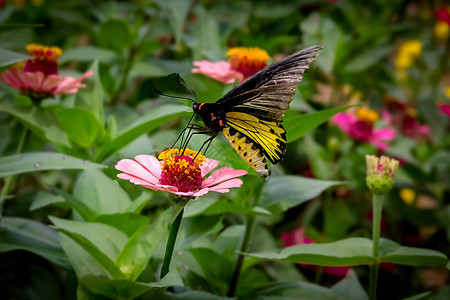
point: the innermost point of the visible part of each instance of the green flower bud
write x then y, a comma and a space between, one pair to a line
380, 174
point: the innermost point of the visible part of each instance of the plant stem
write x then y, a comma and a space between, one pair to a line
377, 203
249, 223
128, 65
174, 227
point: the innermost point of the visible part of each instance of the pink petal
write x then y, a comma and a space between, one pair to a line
51, 83
34, 80
386, 116
225, 186
210, 165
384, 134
133, 168
151, 163
344, 121
220, 71
222, 175
13, 77
193, 194
71, 85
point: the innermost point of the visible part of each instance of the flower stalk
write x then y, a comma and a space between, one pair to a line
249, 223
380, 180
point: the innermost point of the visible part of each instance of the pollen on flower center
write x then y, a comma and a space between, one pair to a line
45, 59
247, 61
179, 169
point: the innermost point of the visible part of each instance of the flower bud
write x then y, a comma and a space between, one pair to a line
380, 173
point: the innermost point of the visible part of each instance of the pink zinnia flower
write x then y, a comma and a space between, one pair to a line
39, 78
181, 172
445, 108
243, 64
407, 123
220, 71
360, 127
442, 14
297, 237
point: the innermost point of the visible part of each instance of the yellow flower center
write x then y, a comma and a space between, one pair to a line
181, 168
367, 115
42, 52
247, 61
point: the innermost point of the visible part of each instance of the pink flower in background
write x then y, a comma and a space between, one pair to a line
407, 124
39, 78
181, 172
220, 71
445, 108
359, 126
243, 63
297, 237
443, 15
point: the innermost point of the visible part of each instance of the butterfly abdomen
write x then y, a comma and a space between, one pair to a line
248, 150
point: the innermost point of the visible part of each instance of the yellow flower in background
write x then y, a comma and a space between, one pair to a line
248, 61
407, 53
447, 91
441, 31
407, 195
367, 115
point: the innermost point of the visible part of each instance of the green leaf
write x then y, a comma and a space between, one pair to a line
284, 192
43, 199
24, 234
8, 58
91, 97
81, 126
216, 269
354, 252
134, 257
177, 11
42, 122
368, 58
289, 290
348, 252
96, 253
115, 34
350, 287
299, 125
139, 203
86, 213
409, 256
128, 223
101, 193
173, 85
87, 54
17, 26
41, 161
120, 288
143, 125
106, 239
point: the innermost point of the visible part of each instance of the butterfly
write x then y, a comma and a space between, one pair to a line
251, 115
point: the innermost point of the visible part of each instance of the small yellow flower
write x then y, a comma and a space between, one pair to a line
407, 53
247, 61
407, 195
367, 115
441, 31
447, 92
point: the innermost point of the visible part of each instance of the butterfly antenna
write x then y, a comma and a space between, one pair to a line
173, 96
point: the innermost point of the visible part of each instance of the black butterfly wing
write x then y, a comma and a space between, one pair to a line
269, 92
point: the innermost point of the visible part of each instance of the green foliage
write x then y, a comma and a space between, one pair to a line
70, 229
